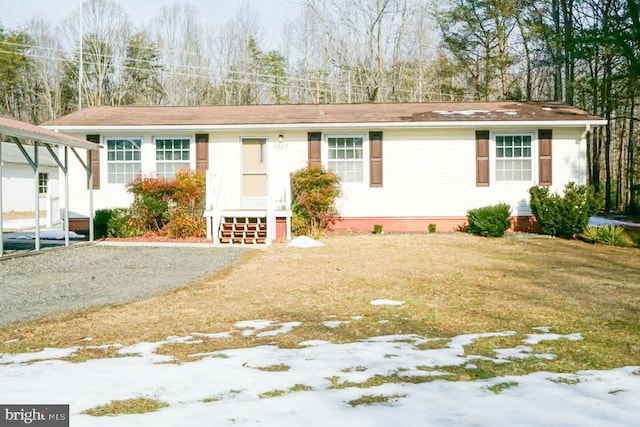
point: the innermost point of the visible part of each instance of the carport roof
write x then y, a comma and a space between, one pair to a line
28, 133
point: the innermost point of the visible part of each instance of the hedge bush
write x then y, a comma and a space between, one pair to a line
115, 223
489, 221
566, 215
314, 191
171, 207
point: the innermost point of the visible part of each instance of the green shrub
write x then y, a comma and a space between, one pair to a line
115, 223
489, 221
431, 228
565, 215
608, 234
377, 229
121, 224
313, 195
100, 221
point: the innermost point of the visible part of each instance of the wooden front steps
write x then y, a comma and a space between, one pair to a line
243, 230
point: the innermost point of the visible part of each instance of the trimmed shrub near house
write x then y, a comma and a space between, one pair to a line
100, 221
431, 228
121, 224
489, 221
565, 215
313, 195
171, 207
115, 223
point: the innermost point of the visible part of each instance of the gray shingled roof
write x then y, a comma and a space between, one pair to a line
323, 114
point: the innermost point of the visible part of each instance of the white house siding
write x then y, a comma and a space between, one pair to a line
225, 158
432, 173
113, 195
108, 196
569, 157
427, 173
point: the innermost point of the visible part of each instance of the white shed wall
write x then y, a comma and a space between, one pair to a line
18, 187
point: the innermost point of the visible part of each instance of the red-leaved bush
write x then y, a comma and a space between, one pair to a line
170, 207
313, 195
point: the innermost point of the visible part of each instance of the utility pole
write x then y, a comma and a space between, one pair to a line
80, 63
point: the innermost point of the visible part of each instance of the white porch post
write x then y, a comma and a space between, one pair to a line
66, 195
36, 181
90, 165
1, 216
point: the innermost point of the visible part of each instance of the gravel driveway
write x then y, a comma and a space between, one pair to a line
81, 277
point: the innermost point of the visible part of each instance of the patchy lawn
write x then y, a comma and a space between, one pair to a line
441, 329
451, 284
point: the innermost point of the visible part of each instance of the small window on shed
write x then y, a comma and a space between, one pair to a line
43, 183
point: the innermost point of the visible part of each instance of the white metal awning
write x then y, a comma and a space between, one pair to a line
21, 133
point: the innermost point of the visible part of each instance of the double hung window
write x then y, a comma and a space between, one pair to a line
345, 156
513, 158
172, 154
123, 160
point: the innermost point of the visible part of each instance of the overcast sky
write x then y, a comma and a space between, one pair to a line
273, 14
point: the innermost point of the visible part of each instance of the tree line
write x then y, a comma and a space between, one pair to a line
582, 52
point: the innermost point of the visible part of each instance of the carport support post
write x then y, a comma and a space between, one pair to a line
66, 195
90, 195
36, 180
1, 216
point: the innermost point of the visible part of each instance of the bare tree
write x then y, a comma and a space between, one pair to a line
179, 36
47, 66
106, 28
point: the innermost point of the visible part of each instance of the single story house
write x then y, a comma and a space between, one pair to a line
402, 165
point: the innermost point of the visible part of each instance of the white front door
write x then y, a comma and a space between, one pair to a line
254, 173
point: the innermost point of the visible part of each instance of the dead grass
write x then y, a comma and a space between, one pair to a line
127, 406
452, 284
371, 399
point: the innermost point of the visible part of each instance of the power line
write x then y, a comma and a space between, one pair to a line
334, 85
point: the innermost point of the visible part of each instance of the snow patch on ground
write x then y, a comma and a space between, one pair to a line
45, 354
283, 329
212, 336
603, 398
521, 352
334, 323
50, 235
537, 338
252, 326
386, 302
304, 242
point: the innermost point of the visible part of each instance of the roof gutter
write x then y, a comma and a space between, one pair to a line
386, 125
